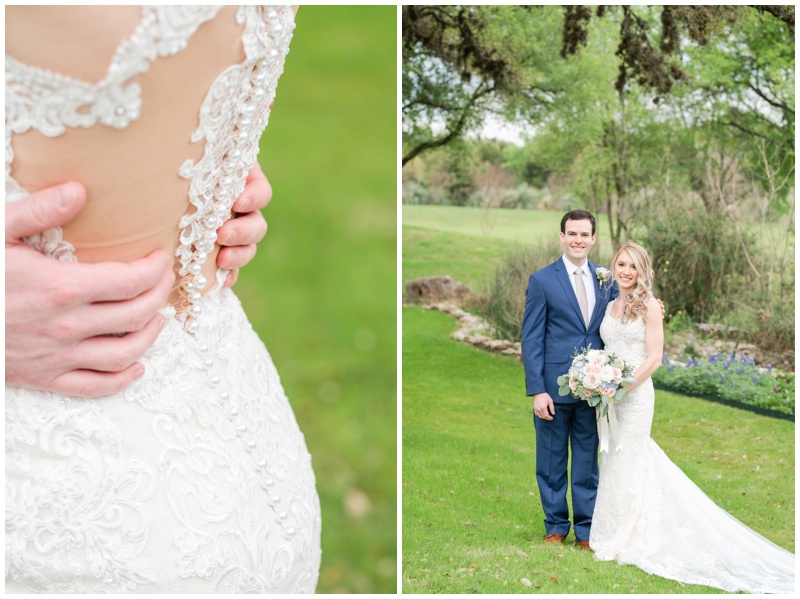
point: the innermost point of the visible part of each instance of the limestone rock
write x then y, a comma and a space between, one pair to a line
436, 288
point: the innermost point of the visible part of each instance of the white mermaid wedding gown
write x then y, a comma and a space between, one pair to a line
195, 478
651, 515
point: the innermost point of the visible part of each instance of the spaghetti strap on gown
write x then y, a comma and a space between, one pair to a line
651, 515
195, 478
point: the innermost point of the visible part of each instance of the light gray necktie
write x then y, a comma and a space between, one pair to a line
580, 291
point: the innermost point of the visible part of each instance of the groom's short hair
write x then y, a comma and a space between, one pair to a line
579, 215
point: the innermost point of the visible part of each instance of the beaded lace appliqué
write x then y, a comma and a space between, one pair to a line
231, 148
50, 102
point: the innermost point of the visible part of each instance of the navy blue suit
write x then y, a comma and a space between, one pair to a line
552, 330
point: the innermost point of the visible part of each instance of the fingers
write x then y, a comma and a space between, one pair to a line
43, 210
545, 410
119, 281
230, 280
117, 354
257, 191
236, 257
243, 230
129, 316
88, 383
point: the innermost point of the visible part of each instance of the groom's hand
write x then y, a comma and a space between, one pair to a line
57, 313
240, 234
543, 406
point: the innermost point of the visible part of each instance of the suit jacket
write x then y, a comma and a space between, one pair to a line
553, 328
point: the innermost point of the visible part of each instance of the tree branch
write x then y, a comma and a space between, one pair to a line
775, 103
455, 131
783, 13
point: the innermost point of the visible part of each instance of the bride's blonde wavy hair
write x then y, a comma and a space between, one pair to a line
636, 301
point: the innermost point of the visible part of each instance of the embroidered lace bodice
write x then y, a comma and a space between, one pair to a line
196, 477
230, 121
650, 514
625, 339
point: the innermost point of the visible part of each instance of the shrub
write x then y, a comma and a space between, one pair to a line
723, 376
415, 192
695, 253
522, 197
765, 318
505, 300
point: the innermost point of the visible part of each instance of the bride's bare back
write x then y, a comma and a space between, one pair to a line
136, 196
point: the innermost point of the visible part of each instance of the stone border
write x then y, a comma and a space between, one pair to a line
473, 330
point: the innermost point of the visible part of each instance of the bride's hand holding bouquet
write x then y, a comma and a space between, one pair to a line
601, 379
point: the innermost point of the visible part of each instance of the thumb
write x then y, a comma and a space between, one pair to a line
44, 209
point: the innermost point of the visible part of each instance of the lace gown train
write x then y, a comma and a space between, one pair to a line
650, 514
195, 478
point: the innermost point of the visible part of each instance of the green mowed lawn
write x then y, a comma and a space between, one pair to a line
518, 226
321, 291
428, 252
528, 226
472, 521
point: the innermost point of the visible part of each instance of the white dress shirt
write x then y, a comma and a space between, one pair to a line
587, 282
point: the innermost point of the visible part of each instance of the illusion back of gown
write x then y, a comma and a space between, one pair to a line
196, 477
650, 514
160, 125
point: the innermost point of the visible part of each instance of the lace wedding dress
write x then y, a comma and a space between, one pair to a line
649, 514
196, 477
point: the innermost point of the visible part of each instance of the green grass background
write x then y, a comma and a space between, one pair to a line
321, 291
472, 519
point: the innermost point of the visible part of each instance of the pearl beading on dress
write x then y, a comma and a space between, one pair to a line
248, 439
50, 102
214, 189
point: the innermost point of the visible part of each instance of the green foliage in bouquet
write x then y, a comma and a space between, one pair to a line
596, 377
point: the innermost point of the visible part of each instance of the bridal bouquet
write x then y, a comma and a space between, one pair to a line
597, 377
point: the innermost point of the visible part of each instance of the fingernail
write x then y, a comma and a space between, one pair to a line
246, 206
162, 323
66, 195
232, 237
138, 372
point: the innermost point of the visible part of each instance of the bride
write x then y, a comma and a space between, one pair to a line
195, 478
648, 513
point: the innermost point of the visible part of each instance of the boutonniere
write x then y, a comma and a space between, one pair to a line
603, 275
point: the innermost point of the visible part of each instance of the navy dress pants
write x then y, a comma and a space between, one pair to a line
574, 427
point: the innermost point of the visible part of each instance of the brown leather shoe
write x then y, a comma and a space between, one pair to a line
583, 545
554, 538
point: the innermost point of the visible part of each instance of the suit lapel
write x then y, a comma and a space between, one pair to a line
563, 277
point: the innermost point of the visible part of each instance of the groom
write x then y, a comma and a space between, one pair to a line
563, 310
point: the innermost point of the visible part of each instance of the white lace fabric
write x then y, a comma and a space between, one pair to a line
231, 120
650, 514
195, 478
